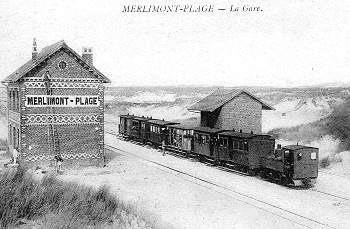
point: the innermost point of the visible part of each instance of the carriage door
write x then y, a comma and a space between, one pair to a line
125, 121
288, 162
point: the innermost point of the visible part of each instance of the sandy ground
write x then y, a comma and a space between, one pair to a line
244, 202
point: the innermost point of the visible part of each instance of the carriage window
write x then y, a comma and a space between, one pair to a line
286, 154
313, 155
221, 141
236, 144
207, 138
245, 146
241, 147
299, 156
225, 142
230, 144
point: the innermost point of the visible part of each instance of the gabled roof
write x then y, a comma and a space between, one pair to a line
45, 53
297, 147
220, 97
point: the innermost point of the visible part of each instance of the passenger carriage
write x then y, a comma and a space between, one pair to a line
180, 139
243, 150
125, 124
132, 126
158, 131
205, 139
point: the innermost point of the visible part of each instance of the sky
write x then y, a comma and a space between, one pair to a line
290, 43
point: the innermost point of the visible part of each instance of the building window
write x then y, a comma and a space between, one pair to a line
14, 137
17, 139
17, 100
62, 65
10, 134
13, 100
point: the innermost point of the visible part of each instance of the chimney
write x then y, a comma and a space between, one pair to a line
35, 50
87, 55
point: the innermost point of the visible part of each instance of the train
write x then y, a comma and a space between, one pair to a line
249, 153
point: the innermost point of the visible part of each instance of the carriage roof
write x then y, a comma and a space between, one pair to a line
236, 134
298, 147
161, 122
207, 129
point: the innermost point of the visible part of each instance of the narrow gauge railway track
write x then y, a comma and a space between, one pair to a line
227, 169
293, 217
345, 177
329, 194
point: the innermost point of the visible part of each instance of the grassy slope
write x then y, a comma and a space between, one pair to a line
51, 203
336, 124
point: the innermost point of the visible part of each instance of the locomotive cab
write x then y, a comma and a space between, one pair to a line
300, 163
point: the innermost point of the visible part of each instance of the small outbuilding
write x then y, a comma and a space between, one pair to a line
237, 110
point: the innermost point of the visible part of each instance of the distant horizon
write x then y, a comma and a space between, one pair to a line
325, 85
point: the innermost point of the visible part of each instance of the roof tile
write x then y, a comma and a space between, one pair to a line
45, 53
221, 96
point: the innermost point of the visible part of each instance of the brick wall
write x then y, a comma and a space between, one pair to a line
78, 138
241, 113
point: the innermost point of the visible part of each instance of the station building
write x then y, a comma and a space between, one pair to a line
56, 106
236, 110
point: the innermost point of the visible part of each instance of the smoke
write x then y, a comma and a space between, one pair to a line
328, 146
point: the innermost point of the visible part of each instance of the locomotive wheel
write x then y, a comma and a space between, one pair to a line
201, 158
262, 173
251, 172
283, 180
306, 182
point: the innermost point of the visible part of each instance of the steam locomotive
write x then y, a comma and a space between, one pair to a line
245, 152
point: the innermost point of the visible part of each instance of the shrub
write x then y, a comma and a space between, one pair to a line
325, 162
61, 204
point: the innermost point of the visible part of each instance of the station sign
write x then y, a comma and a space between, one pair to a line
62, 101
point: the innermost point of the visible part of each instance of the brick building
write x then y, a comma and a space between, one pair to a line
231, 109
56, 106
